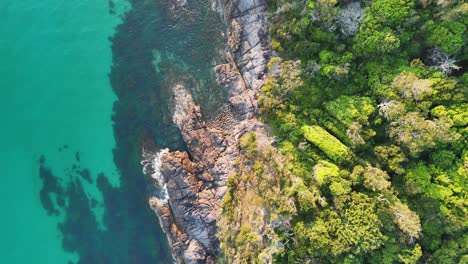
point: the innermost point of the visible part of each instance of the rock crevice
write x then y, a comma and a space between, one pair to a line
195, 181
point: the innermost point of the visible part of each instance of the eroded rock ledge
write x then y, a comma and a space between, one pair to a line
195, 182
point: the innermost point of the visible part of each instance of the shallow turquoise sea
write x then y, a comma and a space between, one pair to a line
54, 91
83, 86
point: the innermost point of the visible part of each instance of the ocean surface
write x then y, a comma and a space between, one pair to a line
84, 86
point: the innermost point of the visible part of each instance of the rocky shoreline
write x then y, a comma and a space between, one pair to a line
194, 182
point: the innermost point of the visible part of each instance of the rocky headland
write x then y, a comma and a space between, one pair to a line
194, 182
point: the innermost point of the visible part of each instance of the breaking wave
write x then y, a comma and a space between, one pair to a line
151, 163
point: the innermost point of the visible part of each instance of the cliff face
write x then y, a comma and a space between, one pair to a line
195, 182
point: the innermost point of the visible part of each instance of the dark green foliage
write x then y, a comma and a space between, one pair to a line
446, 35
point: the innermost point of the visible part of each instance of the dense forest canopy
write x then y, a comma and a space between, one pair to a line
367, 101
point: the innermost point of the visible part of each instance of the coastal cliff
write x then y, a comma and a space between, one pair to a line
367, 105
193, 183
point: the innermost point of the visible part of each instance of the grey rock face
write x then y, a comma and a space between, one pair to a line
195, 184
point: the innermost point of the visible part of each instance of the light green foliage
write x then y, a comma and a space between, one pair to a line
458, 114
389, 12
349, 109
377, 34
418, 179
307, 197
248, 143
248, 243
324, 171
356, 230
377, 41
360, 230
448, 187
326, 142
246, 236
412, 258
338, 188
445, 90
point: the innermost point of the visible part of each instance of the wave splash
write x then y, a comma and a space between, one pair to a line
151, 163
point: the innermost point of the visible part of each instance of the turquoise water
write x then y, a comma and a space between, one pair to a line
83, 86
56, 100
54, 91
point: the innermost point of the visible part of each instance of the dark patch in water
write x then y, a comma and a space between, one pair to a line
111, 7
142, 114
77, 156
94, 203
131, 234
86, 175
51, 187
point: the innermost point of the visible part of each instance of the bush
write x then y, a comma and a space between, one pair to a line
326, 142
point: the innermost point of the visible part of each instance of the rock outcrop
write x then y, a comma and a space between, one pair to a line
194, 183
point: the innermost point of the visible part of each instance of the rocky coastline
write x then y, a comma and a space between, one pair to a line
194, 182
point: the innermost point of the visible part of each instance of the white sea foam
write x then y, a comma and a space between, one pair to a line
152, 166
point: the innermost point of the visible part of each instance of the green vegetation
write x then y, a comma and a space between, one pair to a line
331, 146
368, 104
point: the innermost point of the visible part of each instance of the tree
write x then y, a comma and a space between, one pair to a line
340, 187
447, 35
312, 69
352, 229
359, 232
325, 12
390, 12
452, 251
376, 179
411, 87
418, 134
407, 220
326, 142
307, 199
418, 179
443, 62
248, 244
325, 171
350, 109
283, 81
350, 18
354, 134
375, 42
391, 109
392, 156
413, 257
